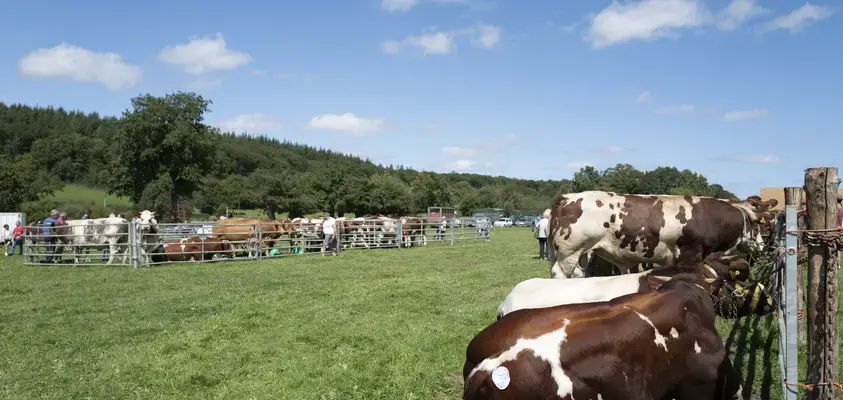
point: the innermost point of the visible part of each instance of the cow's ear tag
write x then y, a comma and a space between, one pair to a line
500, 376
763, 221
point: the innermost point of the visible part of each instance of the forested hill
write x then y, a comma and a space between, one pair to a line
162, 156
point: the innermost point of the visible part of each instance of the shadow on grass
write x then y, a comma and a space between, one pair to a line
752, 338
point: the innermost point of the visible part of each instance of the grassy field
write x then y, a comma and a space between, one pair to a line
83, 194
380, 324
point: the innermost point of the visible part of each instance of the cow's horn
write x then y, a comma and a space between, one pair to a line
662, 278
710, 280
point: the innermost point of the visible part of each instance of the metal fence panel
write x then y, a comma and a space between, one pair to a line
110, 243
135, 244
788, 346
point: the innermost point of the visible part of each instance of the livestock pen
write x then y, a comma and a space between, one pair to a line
132, 244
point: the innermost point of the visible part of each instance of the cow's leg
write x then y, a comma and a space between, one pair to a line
112, 251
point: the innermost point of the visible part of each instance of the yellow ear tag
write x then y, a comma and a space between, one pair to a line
763, 221
734, 274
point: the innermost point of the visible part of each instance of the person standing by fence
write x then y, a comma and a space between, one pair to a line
17, 238
328, 231
541, 234
47, 231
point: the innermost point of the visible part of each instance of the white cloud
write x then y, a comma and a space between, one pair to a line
432, 41
464, 152
462, 165
681, 109
406, 5
753, 159
643, 97
488, 36
738, 12
740, 115
347, 122
801, 17
398, 5
204, 54
432, 127
203, 83
258, 72
286, 76
579, 164
251, 123
613, 149
82, 65
643, 20
391, 47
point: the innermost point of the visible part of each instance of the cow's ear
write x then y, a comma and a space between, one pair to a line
754, 200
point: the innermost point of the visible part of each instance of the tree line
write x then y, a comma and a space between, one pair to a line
163, 156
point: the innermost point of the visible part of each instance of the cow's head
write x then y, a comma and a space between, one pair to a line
147, 224
758, 221
725, 279
736, 296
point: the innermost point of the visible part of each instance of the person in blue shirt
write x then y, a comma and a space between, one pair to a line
47, 228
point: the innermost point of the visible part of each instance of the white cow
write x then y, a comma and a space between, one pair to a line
385, 231
549, 292
147, 233
99, 233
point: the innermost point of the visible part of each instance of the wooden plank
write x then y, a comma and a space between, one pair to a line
821, 185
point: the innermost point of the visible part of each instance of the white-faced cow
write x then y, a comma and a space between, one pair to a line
147, 230
656, 345
630, 229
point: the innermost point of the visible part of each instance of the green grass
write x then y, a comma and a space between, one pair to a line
379, 324
72, 193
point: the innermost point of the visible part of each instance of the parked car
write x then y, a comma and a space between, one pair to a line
523, 221
503, 222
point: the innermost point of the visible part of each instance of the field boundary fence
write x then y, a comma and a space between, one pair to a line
785, 280
138, 244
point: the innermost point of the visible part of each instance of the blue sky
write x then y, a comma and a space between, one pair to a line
530, 88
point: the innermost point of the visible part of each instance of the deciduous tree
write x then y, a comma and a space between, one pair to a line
162, 136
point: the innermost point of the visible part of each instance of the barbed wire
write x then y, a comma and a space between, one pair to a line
810, 386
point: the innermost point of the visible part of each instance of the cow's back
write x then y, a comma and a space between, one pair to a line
628, 229
548, 292
609, 348
235, 228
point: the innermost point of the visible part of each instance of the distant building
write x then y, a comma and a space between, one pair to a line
778, 194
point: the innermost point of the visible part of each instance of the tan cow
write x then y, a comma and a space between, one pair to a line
247, 232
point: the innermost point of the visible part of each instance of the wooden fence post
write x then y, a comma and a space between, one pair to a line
821, 191
793, 197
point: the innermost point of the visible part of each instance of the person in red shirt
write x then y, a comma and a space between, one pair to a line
17, 238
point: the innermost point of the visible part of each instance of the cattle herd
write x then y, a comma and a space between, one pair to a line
574, 335
646, 335
228, 239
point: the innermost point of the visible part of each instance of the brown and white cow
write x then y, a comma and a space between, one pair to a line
629, 229
655, 345
246, 232
191, 249
413, 231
